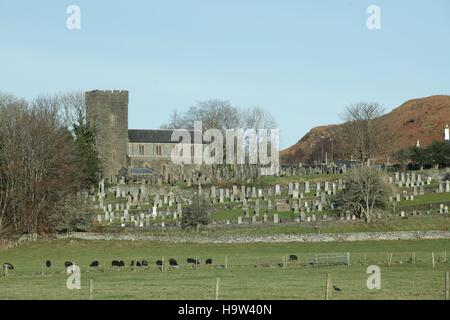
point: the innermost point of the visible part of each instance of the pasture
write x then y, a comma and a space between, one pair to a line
253, 271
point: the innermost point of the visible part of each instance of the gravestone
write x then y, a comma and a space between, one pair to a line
307, 190
275, 218
282, 206
277, 190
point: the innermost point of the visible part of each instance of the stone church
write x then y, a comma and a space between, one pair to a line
134, 151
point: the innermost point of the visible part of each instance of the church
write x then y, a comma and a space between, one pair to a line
130, 151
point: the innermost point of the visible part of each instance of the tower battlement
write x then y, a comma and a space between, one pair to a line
107, 95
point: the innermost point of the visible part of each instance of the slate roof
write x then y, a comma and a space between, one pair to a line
142, 171
153, 135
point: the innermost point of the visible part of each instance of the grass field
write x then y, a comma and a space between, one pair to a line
253, 270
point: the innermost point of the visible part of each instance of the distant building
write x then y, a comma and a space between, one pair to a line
447, 134
128, 150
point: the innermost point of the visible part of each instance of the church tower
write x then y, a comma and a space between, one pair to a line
107, 112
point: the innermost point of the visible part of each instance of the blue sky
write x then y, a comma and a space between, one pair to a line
303, 61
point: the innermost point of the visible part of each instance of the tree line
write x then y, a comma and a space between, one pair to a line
47, 156
437, 155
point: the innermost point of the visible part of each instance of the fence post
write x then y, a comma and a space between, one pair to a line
5, 268
447, 286
91, 289
432, 258
390, 259
348, 259
328, 287
414, 258
216, 294
226, 262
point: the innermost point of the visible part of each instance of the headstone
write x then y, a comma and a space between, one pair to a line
277, 190
307, 190
275, 218
221, 196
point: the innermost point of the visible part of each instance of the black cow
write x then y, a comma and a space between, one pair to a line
68, 264
116, 263
208, 261
132, 263
8, 266
159, 264
293, 257
138, 264
173, 263
48, 263
193, 261
94, 264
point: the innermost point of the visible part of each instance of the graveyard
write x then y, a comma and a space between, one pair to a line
295, 203
241, 241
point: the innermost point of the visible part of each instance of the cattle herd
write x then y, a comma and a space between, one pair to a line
139, 263
120, 263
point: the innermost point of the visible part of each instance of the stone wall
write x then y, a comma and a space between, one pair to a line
281, 238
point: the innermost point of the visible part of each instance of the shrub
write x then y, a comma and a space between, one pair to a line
196, 214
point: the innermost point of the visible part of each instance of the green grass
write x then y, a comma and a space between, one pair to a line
427, 198
253, 271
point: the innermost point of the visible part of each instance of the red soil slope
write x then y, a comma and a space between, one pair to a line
421, 119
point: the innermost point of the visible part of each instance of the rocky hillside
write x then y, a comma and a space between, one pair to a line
421, 119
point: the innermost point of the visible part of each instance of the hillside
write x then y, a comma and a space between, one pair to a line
422, 119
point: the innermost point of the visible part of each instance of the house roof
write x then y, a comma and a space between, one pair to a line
154, 135
142, 171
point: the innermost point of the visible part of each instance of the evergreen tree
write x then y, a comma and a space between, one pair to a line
87, 157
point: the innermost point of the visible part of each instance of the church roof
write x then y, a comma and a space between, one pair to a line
154, 135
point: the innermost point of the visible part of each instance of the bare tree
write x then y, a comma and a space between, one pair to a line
365, 190
37, 167
257, 118
363, 132
219, 114
72, 108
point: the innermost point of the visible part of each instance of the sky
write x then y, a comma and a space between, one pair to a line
302, 61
